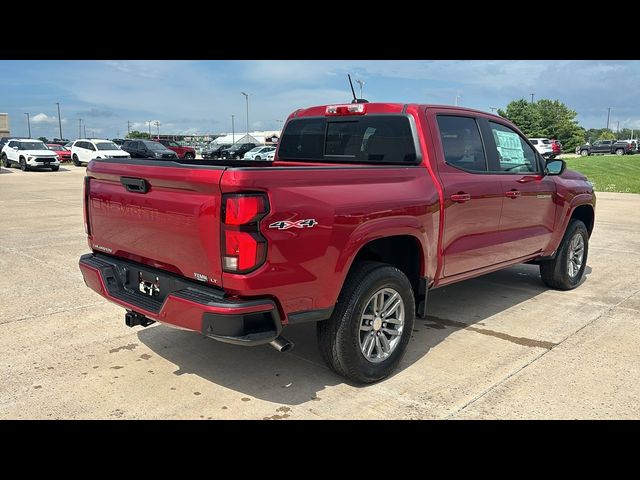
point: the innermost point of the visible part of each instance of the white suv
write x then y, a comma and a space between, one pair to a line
29, 153
543, 146
84, 150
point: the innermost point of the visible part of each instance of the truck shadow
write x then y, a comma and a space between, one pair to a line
299, 376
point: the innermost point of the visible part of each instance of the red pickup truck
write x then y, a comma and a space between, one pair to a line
365, 209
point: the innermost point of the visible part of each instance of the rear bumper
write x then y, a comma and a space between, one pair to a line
186, 304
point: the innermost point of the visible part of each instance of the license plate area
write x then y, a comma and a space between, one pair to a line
148, 284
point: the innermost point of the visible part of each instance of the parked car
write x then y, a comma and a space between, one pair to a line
59, 141
237, 151
556, 147
118, 141
544, 146
384, 203
68, 145
258, 153
84, 150
148, 149
607, 147
63, 154
29, 153
214, 152
187, 153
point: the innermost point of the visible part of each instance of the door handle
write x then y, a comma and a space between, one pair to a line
461, 197
512, 194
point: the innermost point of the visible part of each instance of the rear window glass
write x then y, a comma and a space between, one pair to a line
369, 139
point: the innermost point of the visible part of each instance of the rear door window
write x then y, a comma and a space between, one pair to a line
461, 143
368, 139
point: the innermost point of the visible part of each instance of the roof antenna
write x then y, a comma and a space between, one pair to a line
355, 100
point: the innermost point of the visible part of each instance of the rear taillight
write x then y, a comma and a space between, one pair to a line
349, 109
243, 248
85, 204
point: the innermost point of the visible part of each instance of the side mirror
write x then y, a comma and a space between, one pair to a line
555, 167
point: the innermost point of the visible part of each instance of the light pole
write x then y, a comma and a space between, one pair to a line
493, 109
233, 129
149, 122
128, 128
157, 124
28, 124
84, 129
608, 115
59, 120
361, 83
532, 95
246, 96
458, 97
79, 128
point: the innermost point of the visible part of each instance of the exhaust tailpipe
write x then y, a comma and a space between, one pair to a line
131, 319
281, 344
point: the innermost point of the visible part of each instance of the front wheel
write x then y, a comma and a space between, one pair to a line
189, 156
237, 157
565, 272
619, 151
23, 165
76, 162
215, 157
584, 153
368, 332
257, 158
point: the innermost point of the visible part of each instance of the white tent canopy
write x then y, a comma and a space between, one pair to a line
241, 137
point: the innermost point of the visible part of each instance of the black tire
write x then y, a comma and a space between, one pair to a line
584, 153
215, 157
6, 161
619, 151
338, 337
189, 156
55, 169
555, 273
257, 158
237, 157
23, 165
76, 162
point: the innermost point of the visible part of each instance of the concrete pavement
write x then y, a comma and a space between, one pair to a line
500, 346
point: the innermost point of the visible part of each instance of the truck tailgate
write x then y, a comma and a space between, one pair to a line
163, 216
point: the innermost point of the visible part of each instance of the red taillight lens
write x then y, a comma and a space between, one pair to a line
349, 109
243, 209
244, 249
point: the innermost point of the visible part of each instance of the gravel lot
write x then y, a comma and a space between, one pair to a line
500, 346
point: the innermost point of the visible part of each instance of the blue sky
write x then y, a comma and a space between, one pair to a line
200, 96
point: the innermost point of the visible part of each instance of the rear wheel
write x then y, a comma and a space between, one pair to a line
619, 151
6, 161
257, 157
565, 272
215, 157
76, 162
584, 153
189, 156
368, 332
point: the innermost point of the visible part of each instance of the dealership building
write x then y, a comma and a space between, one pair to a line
4, 125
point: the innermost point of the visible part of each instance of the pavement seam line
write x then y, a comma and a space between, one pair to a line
501, 382
30, 317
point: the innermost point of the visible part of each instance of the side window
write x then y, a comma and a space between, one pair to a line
13, 144
90, 146
535, 142
514, 154
461, 143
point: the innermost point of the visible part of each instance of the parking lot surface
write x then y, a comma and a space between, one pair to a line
499, 346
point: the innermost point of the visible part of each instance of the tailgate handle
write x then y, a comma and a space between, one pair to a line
135, 185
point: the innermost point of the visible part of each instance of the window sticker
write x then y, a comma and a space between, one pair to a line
509, 147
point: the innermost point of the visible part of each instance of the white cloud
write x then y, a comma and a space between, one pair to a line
43, 118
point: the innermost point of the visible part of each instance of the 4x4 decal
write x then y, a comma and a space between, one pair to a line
285, 224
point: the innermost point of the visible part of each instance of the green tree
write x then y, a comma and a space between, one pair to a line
546, 118
607, 135
137, 134
43, 139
